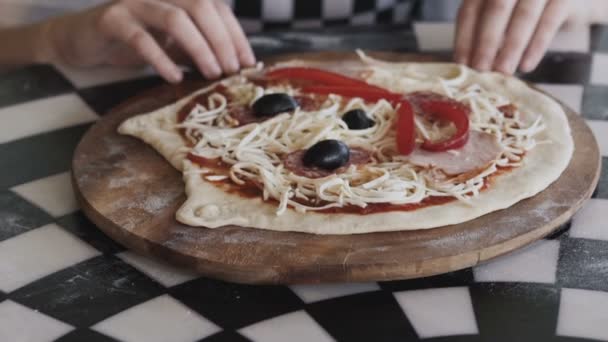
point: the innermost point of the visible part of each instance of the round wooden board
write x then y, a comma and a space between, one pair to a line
131, 193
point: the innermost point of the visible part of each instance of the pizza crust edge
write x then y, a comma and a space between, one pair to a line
209, 206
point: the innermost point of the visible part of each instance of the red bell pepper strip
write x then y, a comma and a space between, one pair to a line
444, 109
202, 161
321, 77
406, 129
367, 94
450, 111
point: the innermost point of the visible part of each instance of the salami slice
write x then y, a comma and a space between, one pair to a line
244, 115
508, 110
479, 152
418, 97
309, 103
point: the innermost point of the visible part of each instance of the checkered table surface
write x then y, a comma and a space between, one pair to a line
62, 279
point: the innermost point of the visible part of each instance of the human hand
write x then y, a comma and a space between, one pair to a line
506, 35
130, 32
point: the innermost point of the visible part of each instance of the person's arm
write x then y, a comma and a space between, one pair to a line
597, 12
130, 32
24, 45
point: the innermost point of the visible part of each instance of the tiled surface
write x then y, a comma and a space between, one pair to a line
595, 103
295, 326
599, 69
534, 264
38, 81
21, 323
102, 75
582, 264
451, 306
574, 39
508, 312
37, 253
166, 275
599, 129
43, 115
157, 320
591, 221
59, 273
314, 293
19, 216
602, 187
583, 314
434, 36
52, 151
53, 194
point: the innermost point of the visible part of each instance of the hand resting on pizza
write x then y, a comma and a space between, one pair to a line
502, 35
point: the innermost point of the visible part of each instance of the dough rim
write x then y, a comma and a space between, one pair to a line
542, 166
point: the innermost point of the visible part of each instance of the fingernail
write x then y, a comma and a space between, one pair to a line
482, 66
176, 76
505, 68
526, 67
249, 59
215, 71
460, 58
234, 65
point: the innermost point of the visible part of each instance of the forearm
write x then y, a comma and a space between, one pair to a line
589, 12
24, 45
599, 12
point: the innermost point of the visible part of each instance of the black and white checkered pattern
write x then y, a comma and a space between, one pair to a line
62, 279
258, 15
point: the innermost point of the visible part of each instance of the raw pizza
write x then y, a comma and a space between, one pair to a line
358, 146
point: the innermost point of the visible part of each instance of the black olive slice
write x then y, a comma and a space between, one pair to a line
357, 119
273, 104
327, 154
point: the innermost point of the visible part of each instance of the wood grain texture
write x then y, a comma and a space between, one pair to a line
131, 193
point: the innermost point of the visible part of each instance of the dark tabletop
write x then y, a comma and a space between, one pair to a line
61, 278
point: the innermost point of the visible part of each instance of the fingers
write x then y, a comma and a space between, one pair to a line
206, 30
208, 20
521, 28
119, 24
240, 41
465, 30
177, 23
554, 16
507, 34
490, 31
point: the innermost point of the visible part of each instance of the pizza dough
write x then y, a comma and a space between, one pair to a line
210, 206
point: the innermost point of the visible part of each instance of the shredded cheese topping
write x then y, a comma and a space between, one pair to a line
254, 152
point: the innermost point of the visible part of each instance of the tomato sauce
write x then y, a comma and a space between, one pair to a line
508, 110
308, 103
183, 113
251, 190
243, 114
374, 208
